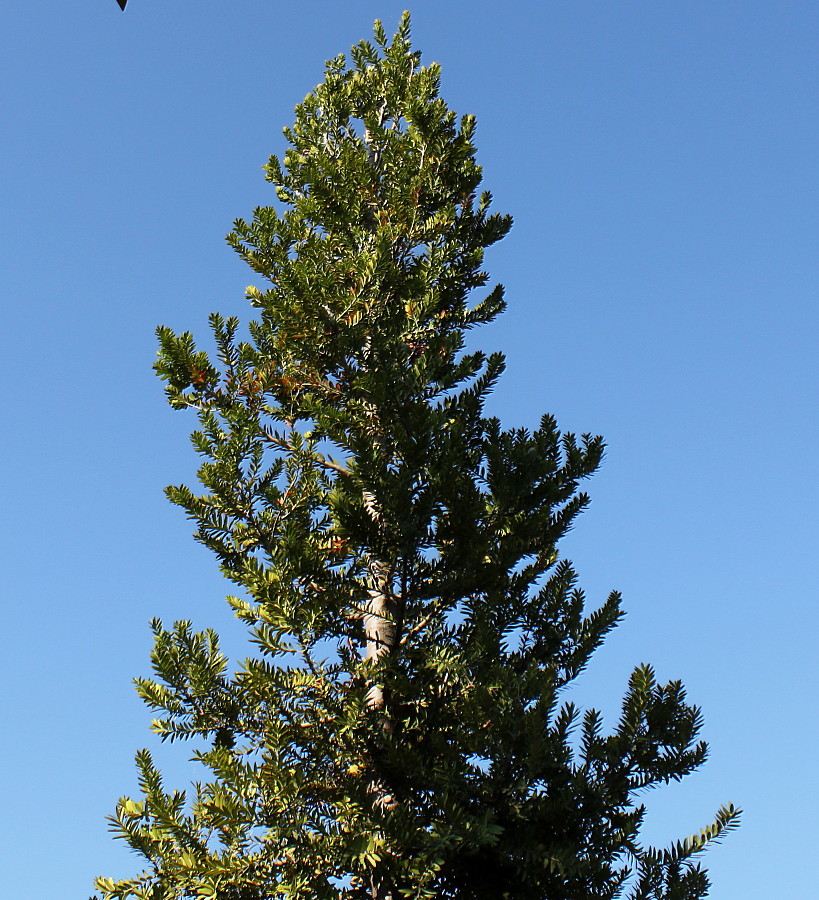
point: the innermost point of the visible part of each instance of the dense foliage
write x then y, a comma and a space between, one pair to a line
401, 730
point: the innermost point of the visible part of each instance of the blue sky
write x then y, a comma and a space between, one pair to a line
660, 160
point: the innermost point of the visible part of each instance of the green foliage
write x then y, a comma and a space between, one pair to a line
401, 730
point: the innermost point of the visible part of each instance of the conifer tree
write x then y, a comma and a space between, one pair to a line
402, 730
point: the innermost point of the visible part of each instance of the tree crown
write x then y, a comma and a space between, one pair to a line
400, 730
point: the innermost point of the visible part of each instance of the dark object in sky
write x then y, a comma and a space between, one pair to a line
122, 4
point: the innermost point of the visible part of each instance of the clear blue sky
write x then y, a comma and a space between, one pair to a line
660, 159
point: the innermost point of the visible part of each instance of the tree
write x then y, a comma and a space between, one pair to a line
403, 729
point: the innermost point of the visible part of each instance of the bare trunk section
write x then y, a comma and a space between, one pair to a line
380, 616
379, 625
380, 630
381, 636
